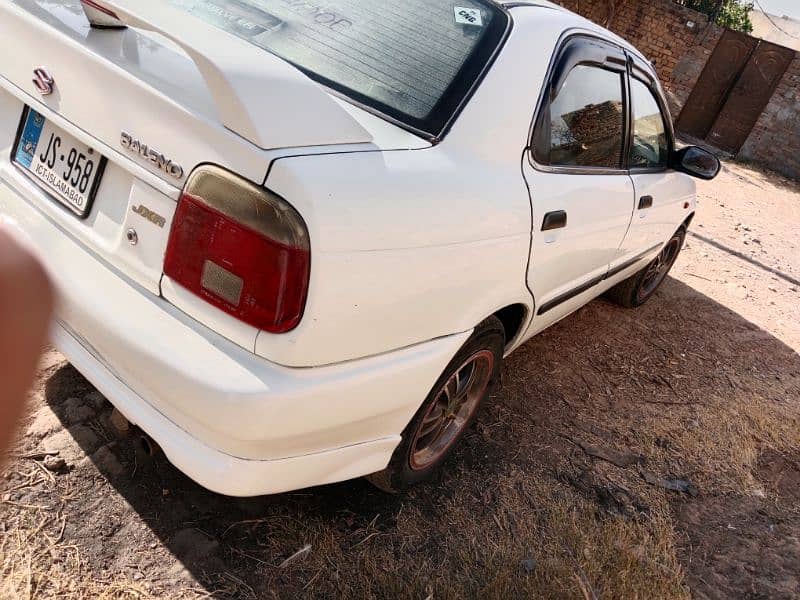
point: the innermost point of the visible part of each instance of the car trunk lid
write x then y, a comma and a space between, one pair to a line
249, 99
136, 98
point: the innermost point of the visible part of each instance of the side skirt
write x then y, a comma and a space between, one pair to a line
585, 287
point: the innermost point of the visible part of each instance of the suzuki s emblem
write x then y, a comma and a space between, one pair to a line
43, 81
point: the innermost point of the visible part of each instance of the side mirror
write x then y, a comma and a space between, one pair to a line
697, 162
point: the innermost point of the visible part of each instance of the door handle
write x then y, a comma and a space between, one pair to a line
554, 220
645, 202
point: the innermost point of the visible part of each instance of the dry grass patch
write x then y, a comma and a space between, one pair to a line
37, 563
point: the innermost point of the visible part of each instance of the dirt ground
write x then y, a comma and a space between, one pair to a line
637, 454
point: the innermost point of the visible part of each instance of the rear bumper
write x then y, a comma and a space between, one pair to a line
235, 423
215, 470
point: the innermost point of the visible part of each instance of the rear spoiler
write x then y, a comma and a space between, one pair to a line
260, 97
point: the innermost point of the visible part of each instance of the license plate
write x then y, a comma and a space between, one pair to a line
66, 167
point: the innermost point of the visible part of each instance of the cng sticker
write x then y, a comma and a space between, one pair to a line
468, 16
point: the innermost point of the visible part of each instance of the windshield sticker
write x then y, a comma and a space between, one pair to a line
249, 20
468, 16
235, 17
321, 15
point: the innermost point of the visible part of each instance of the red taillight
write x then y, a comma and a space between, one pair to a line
240, 248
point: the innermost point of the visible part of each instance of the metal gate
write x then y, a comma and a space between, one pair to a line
733, 90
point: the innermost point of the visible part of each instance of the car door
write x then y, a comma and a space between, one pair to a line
661, 193
581, 195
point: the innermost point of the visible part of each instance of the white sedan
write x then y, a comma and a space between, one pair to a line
294, 239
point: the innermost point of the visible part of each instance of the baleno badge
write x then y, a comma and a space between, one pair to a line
161, 162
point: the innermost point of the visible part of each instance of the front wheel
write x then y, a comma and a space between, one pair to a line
640, 287
447, 412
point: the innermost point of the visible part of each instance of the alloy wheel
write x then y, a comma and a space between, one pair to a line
451, 412
658, 269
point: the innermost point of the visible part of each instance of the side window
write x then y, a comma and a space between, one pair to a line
650, 148
587, 120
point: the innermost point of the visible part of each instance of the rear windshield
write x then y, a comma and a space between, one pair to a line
414, 61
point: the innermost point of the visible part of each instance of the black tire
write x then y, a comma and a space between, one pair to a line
641, 286
419, 455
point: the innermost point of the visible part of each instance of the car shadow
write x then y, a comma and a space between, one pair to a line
745, 258
677, 351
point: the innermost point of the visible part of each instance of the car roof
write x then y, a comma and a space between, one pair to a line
580, 20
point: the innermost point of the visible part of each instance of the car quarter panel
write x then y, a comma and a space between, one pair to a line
417, 245
406, 247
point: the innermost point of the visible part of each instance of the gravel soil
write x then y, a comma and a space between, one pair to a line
652, 453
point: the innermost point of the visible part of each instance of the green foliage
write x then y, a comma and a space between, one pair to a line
734, 14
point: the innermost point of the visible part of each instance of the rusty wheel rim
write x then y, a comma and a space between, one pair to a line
455, 404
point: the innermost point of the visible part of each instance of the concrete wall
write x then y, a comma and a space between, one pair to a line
765, 26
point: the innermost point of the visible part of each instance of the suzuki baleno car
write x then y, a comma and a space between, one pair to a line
294, 239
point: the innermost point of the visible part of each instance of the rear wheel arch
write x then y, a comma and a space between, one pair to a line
442, 419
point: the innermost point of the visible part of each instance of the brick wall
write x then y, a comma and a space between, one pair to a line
598, 11
677, 40
595, 132
775, 140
